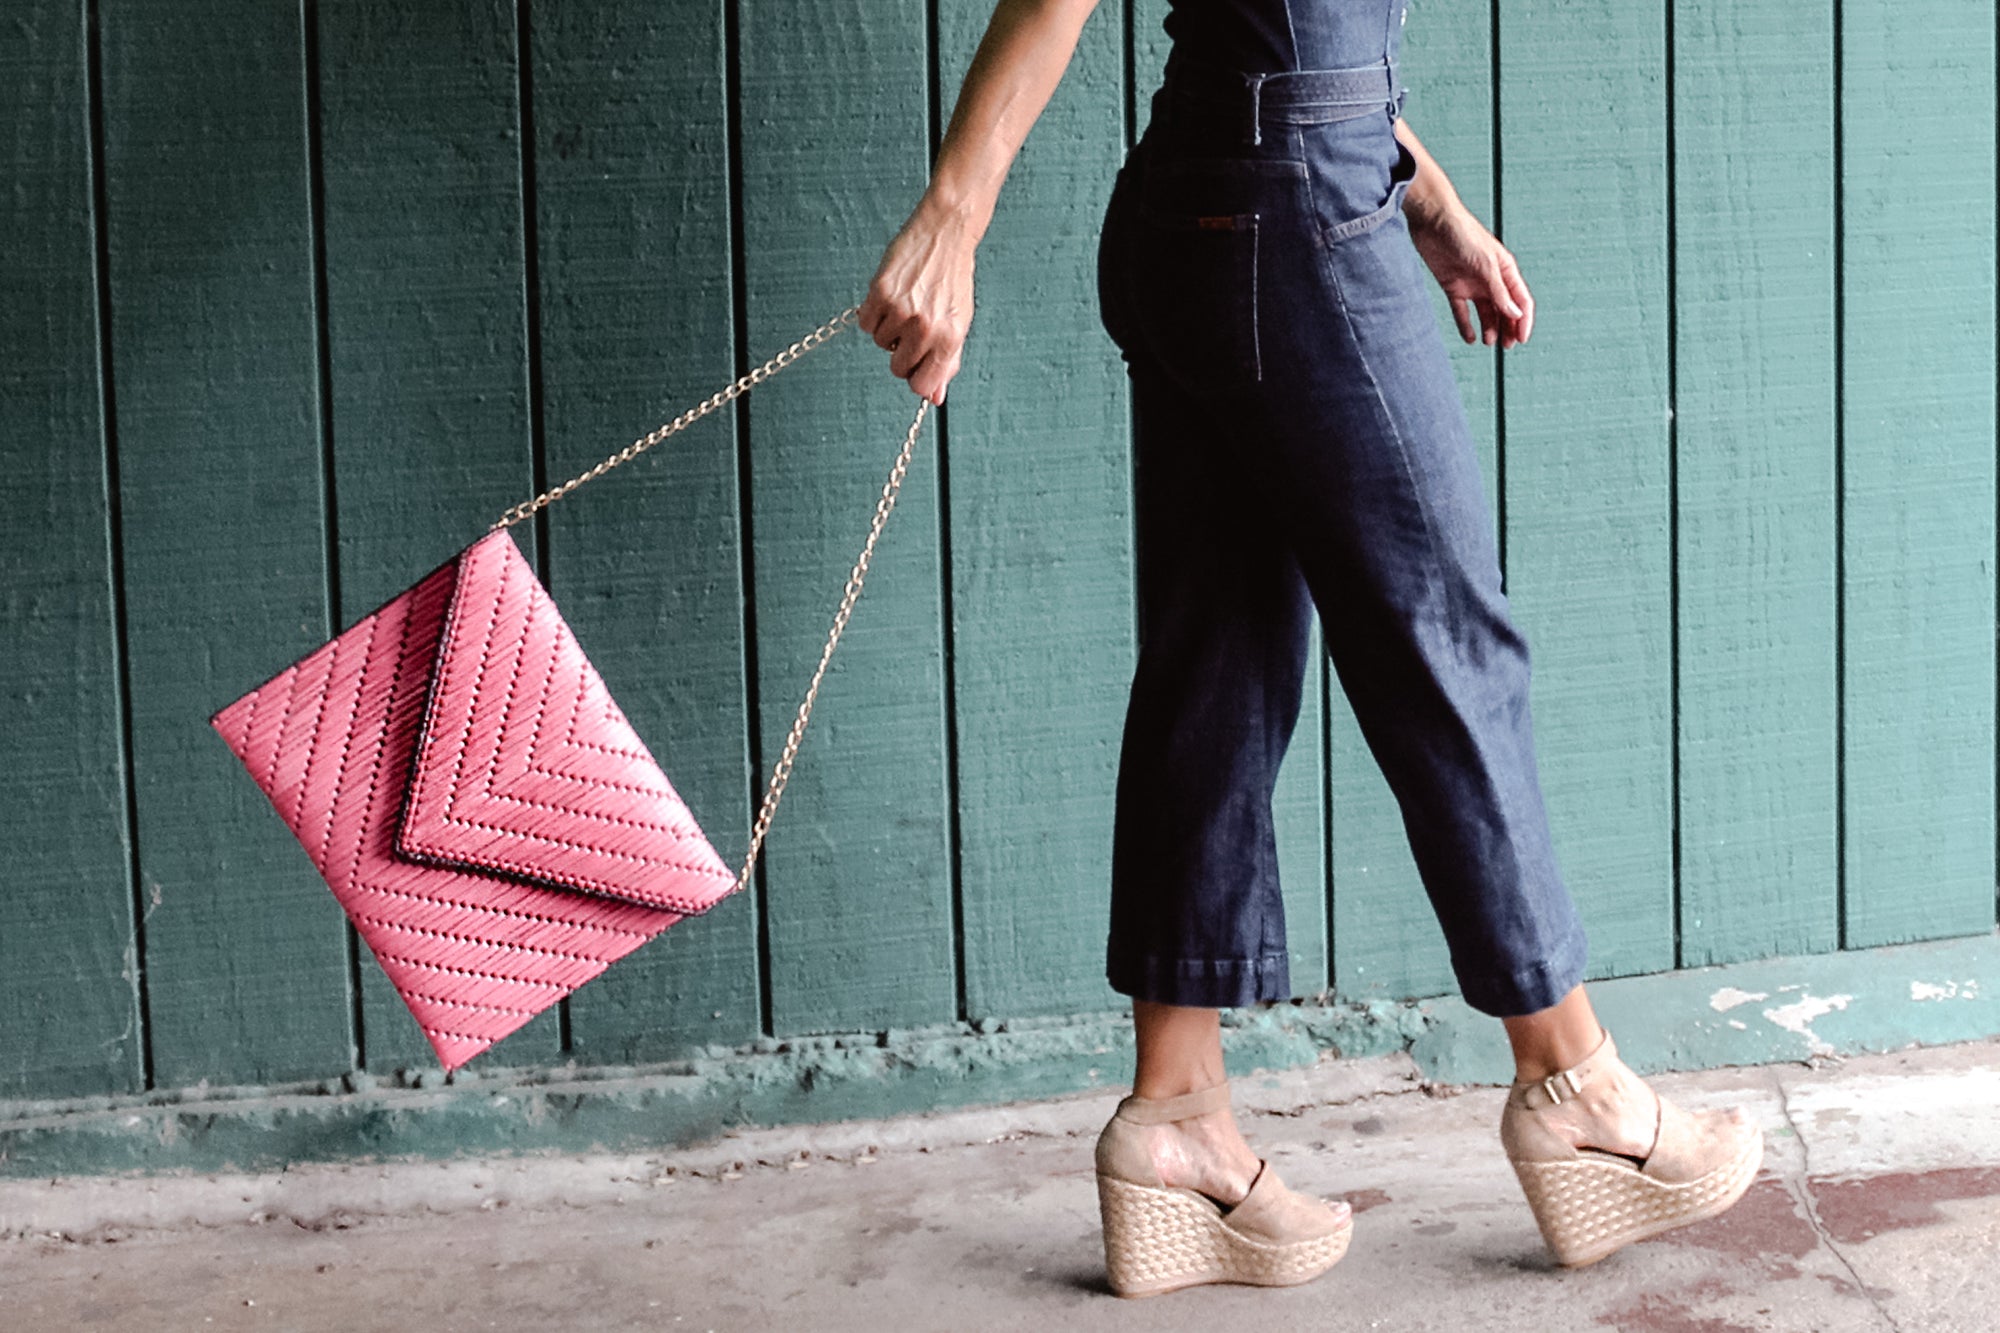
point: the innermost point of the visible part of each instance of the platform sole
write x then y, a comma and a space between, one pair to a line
1158, 1240
1589, 1209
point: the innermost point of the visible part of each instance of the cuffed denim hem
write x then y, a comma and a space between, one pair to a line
1530, 989
1208, 983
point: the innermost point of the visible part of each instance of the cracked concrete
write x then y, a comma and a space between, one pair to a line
1800, 1187
1878, 1207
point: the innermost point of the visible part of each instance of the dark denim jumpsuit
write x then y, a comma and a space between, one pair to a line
1300, 446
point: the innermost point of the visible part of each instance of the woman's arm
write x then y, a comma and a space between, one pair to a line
1475, 270
919, 304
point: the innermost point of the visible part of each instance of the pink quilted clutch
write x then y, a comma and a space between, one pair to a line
473, 796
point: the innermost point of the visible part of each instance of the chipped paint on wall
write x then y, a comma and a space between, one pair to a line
1798, 1016
1729, 997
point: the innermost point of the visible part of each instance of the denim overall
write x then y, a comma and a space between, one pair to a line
1300, 446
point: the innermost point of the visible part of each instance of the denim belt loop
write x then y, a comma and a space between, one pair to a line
1256, 82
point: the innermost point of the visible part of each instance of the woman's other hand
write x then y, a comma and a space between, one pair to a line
919, 303
1475, 270
1478, 274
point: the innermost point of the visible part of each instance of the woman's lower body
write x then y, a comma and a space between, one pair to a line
1301, 450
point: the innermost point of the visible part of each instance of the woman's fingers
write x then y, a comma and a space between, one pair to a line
899, 331
932, 376
918, 307
916, 341
1461, 310
924, 351
895, 330
1522, 300
883, 317
1507, 313
1496, 286
1489, 321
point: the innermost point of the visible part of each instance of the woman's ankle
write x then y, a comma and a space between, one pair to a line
1179, 1050
1162, 1087
1554, 1038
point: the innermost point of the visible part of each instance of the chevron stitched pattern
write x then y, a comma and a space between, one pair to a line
331, 740
527, 767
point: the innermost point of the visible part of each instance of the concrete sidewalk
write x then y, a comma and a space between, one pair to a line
1878, 1207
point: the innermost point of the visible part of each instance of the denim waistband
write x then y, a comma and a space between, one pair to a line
1286, 97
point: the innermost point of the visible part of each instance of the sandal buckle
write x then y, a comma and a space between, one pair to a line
1565, 1075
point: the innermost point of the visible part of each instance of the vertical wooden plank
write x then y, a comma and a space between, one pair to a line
1754, 358
67, 976
632, 190
1583, 152
1041, 550
426, 337
1150, 46
1386, 937
1298, 803
1917, 404
857, 870
214, 341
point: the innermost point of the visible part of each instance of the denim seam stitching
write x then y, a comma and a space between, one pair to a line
1342, 231
1256, 317
1177, 965
1254, 958
1298, 147
1453, 615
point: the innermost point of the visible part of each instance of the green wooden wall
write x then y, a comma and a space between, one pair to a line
295, 298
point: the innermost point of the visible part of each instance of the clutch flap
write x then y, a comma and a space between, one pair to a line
524, 765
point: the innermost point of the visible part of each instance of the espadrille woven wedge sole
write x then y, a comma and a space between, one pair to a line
1159, 1237
1589, 1203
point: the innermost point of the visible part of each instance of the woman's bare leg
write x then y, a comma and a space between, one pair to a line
1553, 1038
1180, 1050
1619, 1114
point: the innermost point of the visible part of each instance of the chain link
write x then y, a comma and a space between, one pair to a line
781, 773
527, 508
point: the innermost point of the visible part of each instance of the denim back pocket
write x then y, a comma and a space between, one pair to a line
1196, 267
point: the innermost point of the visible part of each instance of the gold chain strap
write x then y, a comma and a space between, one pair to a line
639, 446
781, 774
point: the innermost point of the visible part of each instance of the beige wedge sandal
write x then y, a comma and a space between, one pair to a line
1160, 1237
1589, 1202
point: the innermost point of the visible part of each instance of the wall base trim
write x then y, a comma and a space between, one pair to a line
1797, 1008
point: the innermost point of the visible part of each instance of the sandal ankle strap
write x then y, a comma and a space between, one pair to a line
1160, 1110
1564, 1084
